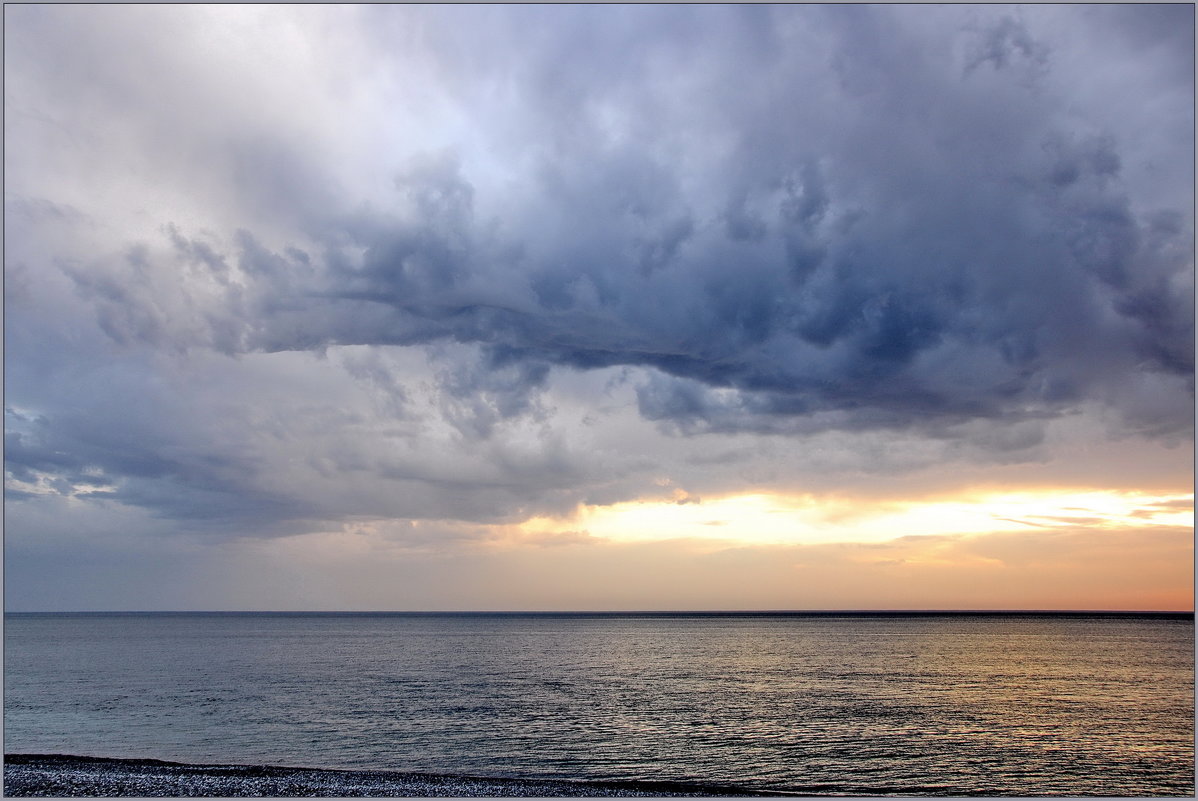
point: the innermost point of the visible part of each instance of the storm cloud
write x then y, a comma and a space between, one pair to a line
898, 231
276, 270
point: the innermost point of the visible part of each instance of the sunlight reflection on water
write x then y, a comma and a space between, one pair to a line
951, 704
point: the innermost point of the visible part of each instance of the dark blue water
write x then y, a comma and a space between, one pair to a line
950, 704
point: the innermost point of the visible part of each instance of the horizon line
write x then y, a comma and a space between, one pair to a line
726, 612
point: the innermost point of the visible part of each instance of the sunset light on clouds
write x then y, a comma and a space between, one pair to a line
771, 519
590, 308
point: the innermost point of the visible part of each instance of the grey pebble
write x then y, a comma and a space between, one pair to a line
65, 776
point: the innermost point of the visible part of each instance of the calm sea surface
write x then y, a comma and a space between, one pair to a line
947, 704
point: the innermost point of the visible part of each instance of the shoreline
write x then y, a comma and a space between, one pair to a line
64, 776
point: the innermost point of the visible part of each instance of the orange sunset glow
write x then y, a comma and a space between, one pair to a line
780, 519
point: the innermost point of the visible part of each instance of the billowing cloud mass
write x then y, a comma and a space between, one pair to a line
422, 276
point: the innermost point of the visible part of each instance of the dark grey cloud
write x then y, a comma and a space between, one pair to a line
951, 220
123, 445
789, 219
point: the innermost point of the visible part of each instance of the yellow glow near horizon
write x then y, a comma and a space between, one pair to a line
780, 519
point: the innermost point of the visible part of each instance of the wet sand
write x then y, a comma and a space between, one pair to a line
57, 776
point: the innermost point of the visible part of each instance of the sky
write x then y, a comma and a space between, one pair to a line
598, 307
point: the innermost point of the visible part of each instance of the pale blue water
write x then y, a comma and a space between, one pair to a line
951, 704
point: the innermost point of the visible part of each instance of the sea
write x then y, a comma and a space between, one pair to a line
829, 703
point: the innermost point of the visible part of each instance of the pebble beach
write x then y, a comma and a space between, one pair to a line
59, 776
